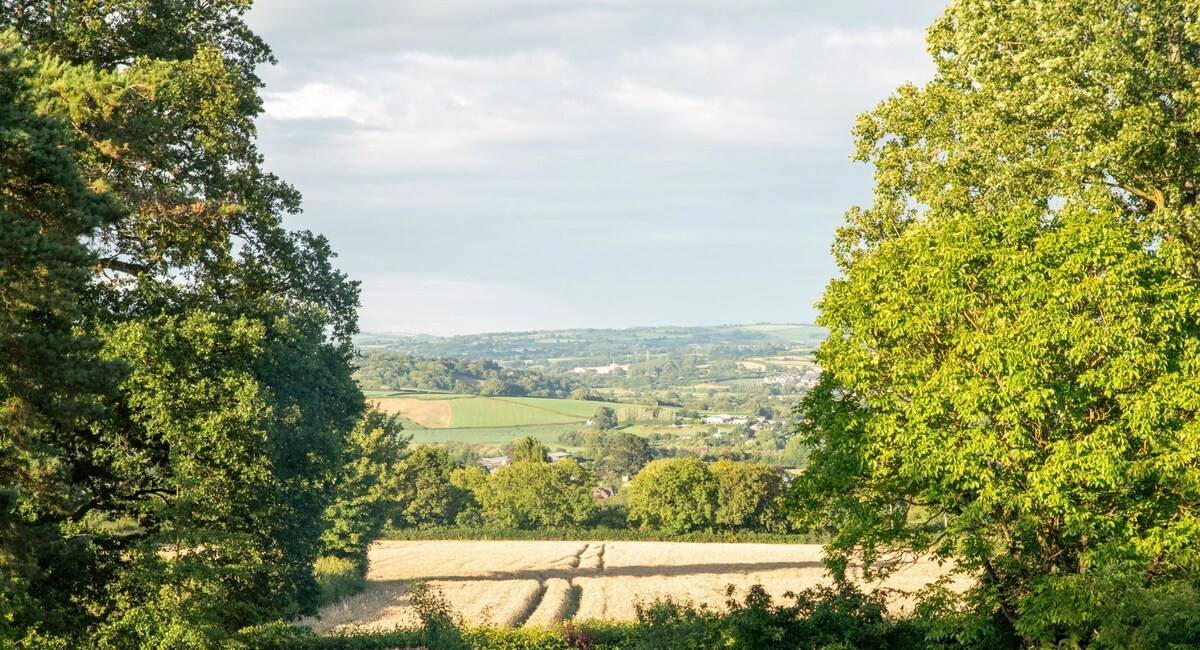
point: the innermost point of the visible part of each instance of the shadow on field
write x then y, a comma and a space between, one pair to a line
617, 572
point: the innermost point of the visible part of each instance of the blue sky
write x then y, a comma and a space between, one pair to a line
500, 165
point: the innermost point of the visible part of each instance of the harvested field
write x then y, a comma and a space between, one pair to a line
539, 583
429, 413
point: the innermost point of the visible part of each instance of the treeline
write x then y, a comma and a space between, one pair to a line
595, 347
390, 371
674, 496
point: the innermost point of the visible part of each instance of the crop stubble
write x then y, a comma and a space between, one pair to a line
513, 583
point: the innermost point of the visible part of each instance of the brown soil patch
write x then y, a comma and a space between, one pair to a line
429, 413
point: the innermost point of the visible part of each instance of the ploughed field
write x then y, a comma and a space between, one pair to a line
514, 583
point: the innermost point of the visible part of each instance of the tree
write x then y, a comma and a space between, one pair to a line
604, 418
1013, 346
530, 450
795, 452
222, 438
625, 453
367, 490
675, 495
430, 498
494, 386
749, 496
51, 379
537, 495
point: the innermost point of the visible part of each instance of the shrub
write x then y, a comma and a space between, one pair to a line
338, 578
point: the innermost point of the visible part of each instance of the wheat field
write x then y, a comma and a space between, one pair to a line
514, 583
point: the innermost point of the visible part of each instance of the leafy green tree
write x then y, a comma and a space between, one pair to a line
472, 481
537, 495
217, 448
51, 381
749, 496
604, 418
625, 453
675, 495
1013, 345
367, 490
494, 386
430, 497
530, 450
595, 442
795, 452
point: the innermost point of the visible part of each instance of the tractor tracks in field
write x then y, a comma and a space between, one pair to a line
557, 598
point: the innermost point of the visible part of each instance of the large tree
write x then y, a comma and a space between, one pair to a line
675, 495
1012, 376
225, 336
51, 381
749, 496
539, 495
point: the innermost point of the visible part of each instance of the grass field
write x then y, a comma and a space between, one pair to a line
538, 583
449, 411
496, 436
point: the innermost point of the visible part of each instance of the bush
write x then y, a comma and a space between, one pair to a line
338, 578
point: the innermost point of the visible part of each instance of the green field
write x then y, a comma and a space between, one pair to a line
473, 412
747, 381
547, 433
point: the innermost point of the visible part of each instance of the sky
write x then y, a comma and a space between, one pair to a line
512, 165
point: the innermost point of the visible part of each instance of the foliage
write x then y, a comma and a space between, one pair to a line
1011, 377
191, 391
440, 627
539, 495
530, 450
51, 382
600, 534
427, 495
675, 495
604, 418
479, 377
366, 491
749, 496
626, 454
338, 578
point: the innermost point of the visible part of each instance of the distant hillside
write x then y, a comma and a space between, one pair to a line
564, 349
394, 371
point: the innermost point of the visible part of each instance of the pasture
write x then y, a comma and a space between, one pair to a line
449, 411
510, 583
496, 436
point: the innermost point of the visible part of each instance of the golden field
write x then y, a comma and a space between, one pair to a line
512, 583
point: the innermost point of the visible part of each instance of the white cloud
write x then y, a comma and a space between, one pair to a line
314, 101
429, 111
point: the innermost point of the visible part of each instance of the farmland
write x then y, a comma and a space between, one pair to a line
538, 583
449, 411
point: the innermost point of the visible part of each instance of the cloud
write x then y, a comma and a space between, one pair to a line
429, 111
448, 307
518, 164
314, 101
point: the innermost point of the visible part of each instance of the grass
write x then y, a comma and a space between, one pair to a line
748, 381
582, 409
474, 412
450, 411
547, 433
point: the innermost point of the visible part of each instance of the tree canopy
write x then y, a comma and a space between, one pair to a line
1011, 378
539, 495
676, 495
176, 362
